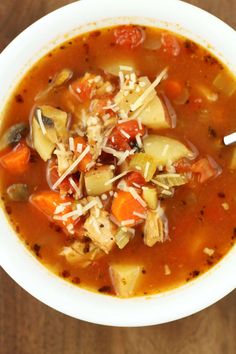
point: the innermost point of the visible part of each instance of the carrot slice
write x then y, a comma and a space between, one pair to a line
124, 206
16, 161
173, 89
129, 36
48, 201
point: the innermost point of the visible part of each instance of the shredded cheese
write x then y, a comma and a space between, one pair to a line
59, 209
71, 168
139, 141
74, 185
104, 196
147, 92
127, 222
137, 196
126, 135
167, 270
209, 251
71, 144
147, 166
142, 216
79, 148
126, 68
225, 206
116, 178
166, 148
40, 121
90, 205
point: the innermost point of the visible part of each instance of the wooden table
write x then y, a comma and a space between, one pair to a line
30, 327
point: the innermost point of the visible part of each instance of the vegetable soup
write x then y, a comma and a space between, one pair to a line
112, 162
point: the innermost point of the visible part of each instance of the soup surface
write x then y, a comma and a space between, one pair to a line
113, 170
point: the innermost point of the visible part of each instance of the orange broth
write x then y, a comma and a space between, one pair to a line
196, 217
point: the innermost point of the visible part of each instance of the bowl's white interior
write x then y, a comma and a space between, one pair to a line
15, 61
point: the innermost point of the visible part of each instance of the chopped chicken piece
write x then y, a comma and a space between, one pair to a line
81, 253
125, 278
64, 158
154, 228
100, 229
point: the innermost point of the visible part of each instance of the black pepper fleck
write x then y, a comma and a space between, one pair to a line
19, 99
105, 289
221, 195
65, 273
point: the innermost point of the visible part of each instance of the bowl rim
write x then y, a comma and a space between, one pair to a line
83, 304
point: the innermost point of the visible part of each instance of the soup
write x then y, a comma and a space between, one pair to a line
113, 167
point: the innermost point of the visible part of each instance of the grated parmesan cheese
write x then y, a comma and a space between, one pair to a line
147, 92
71, 144
167, 270
59, 209
40, 120
137, 196
116, 178
79, 148
127, 222
104, 196
126, 135
147, 166
126, 68
74, 185
225, 206
209, 251
139, 141
142, 216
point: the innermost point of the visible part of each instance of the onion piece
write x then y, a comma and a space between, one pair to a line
170, 109
59, 79
151, 43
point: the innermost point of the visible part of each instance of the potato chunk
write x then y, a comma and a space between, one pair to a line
125, 278
96, 180
125, 102
154, 115
42, 144
165, 150
154, 229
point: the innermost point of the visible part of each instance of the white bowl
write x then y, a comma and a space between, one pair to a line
17, 261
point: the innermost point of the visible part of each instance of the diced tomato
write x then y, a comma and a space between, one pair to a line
84, 87
173, 88
16, 161
129, 36
135, 178
52, 176
206, 168
48, 201
123, 133
82, 166
171, 44
183, 166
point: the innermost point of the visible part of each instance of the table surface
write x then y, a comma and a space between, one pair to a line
28, 326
